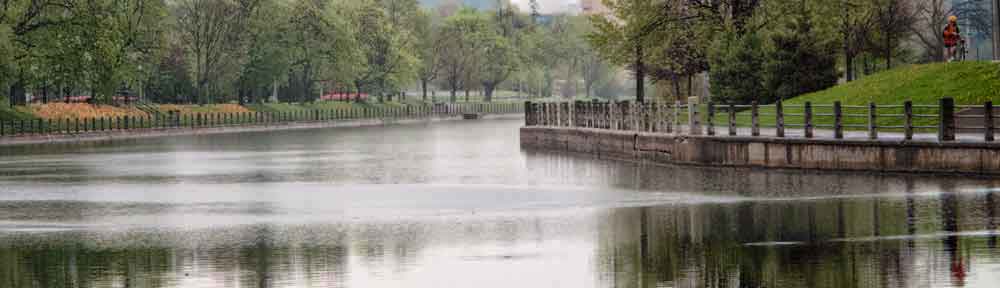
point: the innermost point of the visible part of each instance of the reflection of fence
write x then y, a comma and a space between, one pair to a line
206, 120
781, 120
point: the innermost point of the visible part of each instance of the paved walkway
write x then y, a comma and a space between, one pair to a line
849, 135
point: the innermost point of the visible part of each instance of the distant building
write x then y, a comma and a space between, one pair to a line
996, 29
593, 7
477, 4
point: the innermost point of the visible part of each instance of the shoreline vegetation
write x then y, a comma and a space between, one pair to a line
236, 119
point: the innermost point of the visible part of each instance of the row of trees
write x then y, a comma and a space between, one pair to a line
210, 51
769, 50
487, 51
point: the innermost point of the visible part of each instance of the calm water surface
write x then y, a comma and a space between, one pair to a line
461, 205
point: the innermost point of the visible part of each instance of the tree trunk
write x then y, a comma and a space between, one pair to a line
888, 52
274, 91
674, 81
466, 95
423, 87
17, 93
454, 94
358, 86
849, 67
690, 85
488, 92
640, 76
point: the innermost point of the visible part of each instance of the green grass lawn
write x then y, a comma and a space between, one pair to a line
969, 83
17, 113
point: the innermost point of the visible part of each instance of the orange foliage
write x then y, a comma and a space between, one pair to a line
218, 108
82, 110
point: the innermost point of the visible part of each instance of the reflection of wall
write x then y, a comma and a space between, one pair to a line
822, 243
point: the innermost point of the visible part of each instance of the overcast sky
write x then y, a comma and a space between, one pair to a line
547, 6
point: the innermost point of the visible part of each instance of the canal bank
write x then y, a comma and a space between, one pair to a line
658, 134
46, 138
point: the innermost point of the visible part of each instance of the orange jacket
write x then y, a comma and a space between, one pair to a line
951, 35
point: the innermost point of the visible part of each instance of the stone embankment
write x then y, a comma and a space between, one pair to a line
639, 133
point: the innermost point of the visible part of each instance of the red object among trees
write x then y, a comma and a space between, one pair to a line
344, 96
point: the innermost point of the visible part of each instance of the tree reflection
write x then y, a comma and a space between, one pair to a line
832, 242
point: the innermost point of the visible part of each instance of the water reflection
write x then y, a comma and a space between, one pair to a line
430, 206
944, 241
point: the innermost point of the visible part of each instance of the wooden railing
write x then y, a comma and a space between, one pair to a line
805, 120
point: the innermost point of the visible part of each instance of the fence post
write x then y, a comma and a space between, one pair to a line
807, 118
2, 127
709, 121
677, 116
838, 121
76, 125
564, 115
694, 122
527, 113
577, 117
732, 119
908, 120
653, 116
946, 126
754, 119
988, 121
872, 121
621, 111
567, 110
779, 119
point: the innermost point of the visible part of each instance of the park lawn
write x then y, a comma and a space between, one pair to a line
318, 105
11, 114
969, 83
203, 109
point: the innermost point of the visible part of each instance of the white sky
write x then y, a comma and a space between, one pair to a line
547, 6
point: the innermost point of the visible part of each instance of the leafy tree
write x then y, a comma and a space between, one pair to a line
737, 62
893, 19
429, 44
663, 39
210, 31
799, 62
321, 47
461, 37
383, 37
499, 62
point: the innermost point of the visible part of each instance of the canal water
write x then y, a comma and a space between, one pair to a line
461, 205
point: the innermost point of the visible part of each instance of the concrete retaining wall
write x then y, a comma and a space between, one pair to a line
165, 132
856, 155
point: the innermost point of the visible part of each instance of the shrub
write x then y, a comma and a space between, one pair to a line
736, 68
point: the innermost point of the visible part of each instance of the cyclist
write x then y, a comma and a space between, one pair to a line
952, 37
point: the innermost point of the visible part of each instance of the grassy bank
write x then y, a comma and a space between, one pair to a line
16, 113
969, 83
966, 82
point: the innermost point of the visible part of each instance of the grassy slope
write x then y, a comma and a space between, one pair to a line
969, 83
